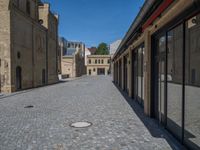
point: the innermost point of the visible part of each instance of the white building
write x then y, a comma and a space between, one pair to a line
114, 46
87, 52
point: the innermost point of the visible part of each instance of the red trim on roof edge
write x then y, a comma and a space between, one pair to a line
157, 13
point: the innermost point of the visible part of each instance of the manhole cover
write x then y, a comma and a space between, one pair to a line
81, 124
29, 106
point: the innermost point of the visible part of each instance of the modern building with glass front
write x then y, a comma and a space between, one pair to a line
157, 64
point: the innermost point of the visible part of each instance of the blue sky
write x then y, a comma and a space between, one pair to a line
95, 21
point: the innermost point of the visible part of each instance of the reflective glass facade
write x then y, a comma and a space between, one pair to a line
177, 80
138, 74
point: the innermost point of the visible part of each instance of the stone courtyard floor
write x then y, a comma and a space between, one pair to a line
118, 123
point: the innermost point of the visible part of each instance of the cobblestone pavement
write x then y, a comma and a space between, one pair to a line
118, 122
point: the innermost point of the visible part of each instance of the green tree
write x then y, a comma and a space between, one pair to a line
102, 49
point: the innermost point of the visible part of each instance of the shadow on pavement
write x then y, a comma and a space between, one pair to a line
156, 130
29, 90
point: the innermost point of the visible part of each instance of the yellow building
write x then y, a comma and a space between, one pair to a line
73, 65
28, 45
98, 64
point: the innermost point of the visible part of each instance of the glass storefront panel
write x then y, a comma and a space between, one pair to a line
120, 73
174, 79
161, 53
138, 77
142, 75
126, 73
135, 70
192, 83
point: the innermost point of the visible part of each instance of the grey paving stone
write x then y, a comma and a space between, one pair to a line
118, 121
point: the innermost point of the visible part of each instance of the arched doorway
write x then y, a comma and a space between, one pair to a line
43, 76
18, 78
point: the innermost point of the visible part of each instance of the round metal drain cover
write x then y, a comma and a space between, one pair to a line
81, 124
29, 106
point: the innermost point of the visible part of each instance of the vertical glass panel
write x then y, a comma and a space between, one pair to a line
120, 73
126, 73
135, 76
143, 76
174, 80
161, 76
192, 79
139, 75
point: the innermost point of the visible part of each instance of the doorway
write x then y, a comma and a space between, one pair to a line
138, 74
43, 76
160, 66
101, 71
18, 78
90, 72
120, 73
125, 74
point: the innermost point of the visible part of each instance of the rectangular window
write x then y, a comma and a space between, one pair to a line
28, 7
102, 61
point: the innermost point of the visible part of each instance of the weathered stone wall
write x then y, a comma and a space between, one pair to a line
28, 49
67, 64
52, 49
80, 64
50, 21
22, 44
5, 62
73, 65
40, 55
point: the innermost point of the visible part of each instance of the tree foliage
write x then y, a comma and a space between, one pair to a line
102, 49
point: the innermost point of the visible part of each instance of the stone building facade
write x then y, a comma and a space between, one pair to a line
113, 48
68, 67
157, 65
98, 64
72, 48
73, 65
27, 58
50, 21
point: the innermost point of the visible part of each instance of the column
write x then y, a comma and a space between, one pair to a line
122, 71
147, 73
129, 78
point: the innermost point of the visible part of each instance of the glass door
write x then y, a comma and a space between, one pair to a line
175, 80
126, 73
160, 64
135, 81
192, 82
